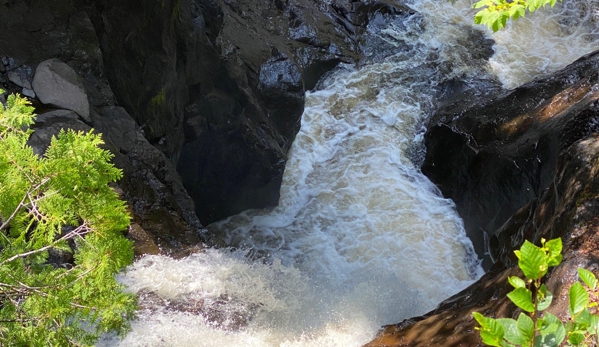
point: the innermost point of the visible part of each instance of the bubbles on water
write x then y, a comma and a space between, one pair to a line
358, 237
217, 298
540, 43
353, 205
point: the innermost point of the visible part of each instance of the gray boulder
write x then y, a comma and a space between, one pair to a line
21, 76
57, 84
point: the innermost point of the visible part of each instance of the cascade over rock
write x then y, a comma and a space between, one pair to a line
216, 86
520, 164
208, 93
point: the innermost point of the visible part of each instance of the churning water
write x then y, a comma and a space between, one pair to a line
360, 238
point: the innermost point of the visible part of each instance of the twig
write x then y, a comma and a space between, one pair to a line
79, 231
22, 204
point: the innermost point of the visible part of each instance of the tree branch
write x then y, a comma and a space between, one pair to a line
22, 204
79, 231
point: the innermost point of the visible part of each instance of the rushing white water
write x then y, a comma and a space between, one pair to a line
360, 238
545, 41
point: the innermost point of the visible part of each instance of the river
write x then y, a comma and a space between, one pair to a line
360, 237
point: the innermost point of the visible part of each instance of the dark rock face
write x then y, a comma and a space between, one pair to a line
217, 86
522, 165
494, 155
163, 215
240, 125
34, 31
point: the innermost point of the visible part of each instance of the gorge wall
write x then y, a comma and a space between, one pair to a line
213, 89
218, 86
200, 101
520, 165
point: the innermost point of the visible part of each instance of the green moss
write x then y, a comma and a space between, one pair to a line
176, 10
158, 101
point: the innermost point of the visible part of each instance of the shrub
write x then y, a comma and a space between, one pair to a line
59, 203
533, 326
495, 13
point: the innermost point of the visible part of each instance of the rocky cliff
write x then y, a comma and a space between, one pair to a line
520, 164
216, 85
50, 52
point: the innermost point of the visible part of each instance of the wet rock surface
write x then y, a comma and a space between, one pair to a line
240, 124
223, 312
160, 205
218, 85
212, 88
568, 210
163, 218
56, 84
215, 88
494, 154
521, 165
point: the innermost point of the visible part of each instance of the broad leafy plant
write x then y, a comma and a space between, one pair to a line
495, 13
534, 327
61, 237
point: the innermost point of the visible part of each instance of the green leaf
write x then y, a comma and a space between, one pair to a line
579, 298
480, 4
517, 11
576, 337
533, 5
588, 278
478, 17
491, 331
516, 282
544, 298
551, 329
522, 297
68, 307
554, 250
583, 319
526, 328
495, 13
494, 20
532, 261
511, 332
594, 324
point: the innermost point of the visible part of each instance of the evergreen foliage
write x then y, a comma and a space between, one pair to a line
61, 202
495, 13
533, 326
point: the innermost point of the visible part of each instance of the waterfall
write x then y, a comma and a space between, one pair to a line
360, 237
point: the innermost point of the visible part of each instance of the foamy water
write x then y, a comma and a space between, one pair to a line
360, 238
545, 41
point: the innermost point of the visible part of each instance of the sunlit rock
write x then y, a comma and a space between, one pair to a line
57, 84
